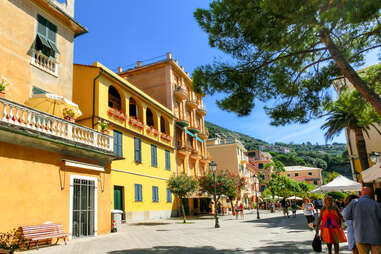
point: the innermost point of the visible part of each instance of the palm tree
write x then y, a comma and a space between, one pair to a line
352, 112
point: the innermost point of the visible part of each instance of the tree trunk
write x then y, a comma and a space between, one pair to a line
182, 209
231, 203
348, 72
361, 149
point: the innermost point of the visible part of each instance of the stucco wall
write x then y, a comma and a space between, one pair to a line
225, 156
18, 29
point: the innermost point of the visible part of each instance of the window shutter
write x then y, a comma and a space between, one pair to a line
140, 192
136, 149
120, 144
136, 193
152, 156
140, 149
52, 31
153, 193
167, 160
41, 26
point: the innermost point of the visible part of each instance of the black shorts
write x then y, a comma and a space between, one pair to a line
310, 218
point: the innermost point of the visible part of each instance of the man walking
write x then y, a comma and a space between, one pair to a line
365, 214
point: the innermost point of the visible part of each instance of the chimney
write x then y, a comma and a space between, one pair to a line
120, 69
169, 56
139, 64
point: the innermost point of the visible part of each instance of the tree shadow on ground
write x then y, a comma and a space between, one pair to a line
298, 224
179, 249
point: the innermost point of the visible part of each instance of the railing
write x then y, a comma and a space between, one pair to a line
201, 107
45, 63
29, 118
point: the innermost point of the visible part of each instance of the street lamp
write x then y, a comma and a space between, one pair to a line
374, 156
213, 166
256, 180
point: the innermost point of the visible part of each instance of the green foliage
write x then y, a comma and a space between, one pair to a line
337, 195
287, 52
11, 240
182, 185
330, 176
227, 183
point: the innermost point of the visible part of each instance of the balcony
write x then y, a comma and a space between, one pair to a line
182, 123
45, 63
194, 129
136, 123
203, 134
191, 103
184, 150
38, 124
201, 110
180, 93
196, 154
166, 137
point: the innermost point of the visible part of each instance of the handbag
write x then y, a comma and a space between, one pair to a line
316, 243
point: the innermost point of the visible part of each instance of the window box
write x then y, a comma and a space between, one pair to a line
166, 137
135, 122
117, 114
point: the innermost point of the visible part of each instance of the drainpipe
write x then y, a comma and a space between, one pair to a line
93, 115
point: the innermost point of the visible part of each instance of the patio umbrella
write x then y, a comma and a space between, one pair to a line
294, 198
340, 183
372, 174
53, 104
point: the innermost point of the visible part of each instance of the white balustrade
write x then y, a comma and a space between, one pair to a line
45, 63
29, 118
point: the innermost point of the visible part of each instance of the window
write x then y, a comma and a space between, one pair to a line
167, 160
149, 118
114, 100
138, 192
169, 195
36, 90
46, 37
260, 165
153, 156
133, 108
118, 143
162, 125
296, 174
138, 149
316, 182
310, 173
155, 194
263, 188
288, 175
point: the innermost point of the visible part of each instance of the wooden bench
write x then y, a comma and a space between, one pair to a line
44, 232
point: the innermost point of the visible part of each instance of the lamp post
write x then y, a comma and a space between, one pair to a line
256, 194
213, 166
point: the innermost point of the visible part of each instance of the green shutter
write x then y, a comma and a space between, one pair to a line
52, 31
117, 198
152, 156
42, 26
136, 149
140, 149
167, 160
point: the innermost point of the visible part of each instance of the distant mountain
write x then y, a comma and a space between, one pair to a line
330, 157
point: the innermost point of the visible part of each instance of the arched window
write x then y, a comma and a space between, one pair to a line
114, 100
133, 108
149, 117
163, 126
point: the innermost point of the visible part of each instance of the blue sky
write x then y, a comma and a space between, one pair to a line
122, 32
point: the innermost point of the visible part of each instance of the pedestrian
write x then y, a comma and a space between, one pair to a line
365, 214
318, 203
293, 207
350, 231
308, 211
241, 210
378, 195
271, 207
329, 221
285, 208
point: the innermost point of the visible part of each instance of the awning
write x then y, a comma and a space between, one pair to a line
189, 133
340, 183
199, 139
77, 164
372, 174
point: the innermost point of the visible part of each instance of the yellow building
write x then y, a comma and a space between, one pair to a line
167, 82
230, 154
143, 140
52, 169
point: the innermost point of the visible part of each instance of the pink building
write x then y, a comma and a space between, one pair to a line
304, 174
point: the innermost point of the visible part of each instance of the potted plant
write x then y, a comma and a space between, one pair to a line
105, 128
68, 114
9, 242
4, 84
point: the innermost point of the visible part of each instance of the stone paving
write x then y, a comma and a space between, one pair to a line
273, 233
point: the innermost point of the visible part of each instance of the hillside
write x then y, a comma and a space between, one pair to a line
330, 157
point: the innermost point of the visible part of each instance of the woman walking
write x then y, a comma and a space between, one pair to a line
350, 231
330, 225
308, 211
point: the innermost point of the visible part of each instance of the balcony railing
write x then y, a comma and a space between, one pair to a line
45, 63
28, 118
181, 93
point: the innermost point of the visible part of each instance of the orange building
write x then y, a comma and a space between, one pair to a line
52, 169
168, 83
304, 174
257, 161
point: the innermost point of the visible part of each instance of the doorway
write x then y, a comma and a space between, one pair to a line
119, 199
84, 201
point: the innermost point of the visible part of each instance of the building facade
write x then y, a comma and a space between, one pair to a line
143, 140
230, 155
168, 83
257, 160
53, 170
304, 174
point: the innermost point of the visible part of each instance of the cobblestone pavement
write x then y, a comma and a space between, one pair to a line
273, 233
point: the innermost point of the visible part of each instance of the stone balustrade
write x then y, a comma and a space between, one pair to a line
28, 118
45, 63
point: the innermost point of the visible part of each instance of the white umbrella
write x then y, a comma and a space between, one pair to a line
294, 198
340, 183
372, 174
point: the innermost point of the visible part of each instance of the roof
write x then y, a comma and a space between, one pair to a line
299, 168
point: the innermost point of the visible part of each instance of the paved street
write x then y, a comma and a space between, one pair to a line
272, 234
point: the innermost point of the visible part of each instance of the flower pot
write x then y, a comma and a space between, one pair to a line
105, 131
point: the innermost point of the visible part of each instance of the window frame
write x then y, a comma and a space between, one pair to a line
138, 150
167, 160
118, 142
169, 196
48, 37
138, 192
155, 194
153, 155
